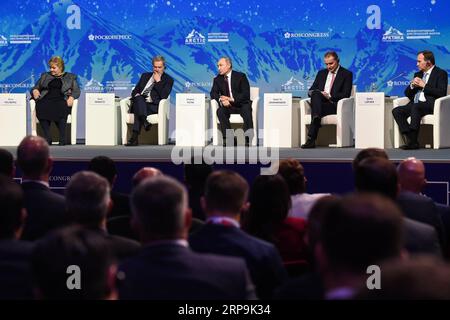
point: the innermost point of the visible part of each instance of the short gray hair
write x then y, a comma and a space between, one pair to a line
159, 205
159, 58
87, 198
228, 60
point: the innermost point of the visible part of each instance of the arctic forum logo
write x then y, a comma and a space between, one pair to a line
393, 35
195, 38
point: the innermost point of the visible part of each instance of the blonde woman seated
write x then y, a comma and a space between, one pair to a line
54, 94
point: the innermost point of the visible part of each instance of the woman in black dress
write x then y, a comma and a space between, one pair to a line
54, 94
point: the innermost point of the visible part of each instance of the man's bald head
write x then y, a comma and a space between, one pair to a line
411, 175
144, 173
33, 157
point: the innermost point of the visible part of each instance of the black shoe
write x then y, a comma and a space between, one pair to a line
147, 125
310, 143
133, 140
410, 146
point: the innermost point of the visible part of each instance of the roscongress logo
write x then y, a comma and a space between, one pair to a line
93, 37
307, 34
393, 35
195, 38
199, 84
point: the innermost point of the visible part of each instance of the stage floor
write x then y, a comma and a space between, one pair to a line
154, 153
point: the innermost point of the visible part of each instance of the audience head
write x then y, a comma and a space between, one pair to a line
12, 211
160, 209
359, 231
269, 205
33, 158
105, 167
322, 207
57, 257
293, 173
418, 278
225, 194
88, 199
411, 175
7, 163
377, 175
368, 153
145, 173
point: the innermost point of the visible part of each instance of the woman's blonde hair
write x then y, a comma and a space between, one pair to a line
58, 61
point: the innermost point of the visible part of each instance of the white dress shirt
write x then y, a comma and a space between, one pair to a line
327, 88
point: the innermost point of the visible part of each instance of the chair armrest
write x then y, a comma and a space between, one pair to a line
345, 106
214, 107
305, 107
442, 109
163, 110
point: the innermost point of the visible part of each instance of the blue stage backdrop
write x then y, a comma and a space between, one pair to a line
279, 44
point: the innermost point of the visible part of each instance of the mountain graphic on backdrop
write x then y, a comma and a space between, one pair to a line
393, 32
194, 34
268, 58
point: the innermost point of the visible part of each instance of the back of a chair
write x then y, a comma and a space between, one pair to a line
254, 93
353, 90
448, 89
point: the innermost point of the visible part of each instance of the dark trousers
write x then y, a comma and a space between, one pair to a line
141, 109
414, 110
61, 124
245, 110
320, 107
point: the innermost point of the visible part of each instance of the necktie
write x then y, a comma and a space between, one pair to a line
333, 76
147, 90
227, 90
417, 96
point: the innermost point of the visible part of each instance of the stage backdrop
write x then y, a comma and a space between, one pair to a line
279, 44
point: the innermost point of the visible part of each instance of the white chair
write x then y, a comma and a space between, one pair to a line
71, 118
343, 120
161, 118
236, 118
440, 120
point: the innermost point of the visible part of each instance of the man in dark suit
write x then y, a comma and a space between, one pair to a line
88, 203
331, 85
15, 254
145, 97
106, 167
379, 175
224, 200
429, 84
45, 208
231, 90
415, 205
166, 268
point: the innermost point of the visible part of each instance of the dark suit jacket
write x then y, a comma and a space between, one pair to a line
174, 272
121, 205
161, 90
420, 208
342, 86
421, 238
121, 247
263, 260
46, 210
240, 88
15, 270
435, 88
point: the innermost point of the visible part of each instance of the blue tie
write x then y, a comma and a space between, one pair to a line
417, 96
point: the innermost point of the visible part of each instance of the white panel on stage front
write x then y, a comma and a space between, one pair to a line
102, 125
13, 118
372, 128
191, 120
281, 121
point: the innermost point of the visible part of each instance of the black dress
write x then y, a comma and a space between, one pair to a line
52, 106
